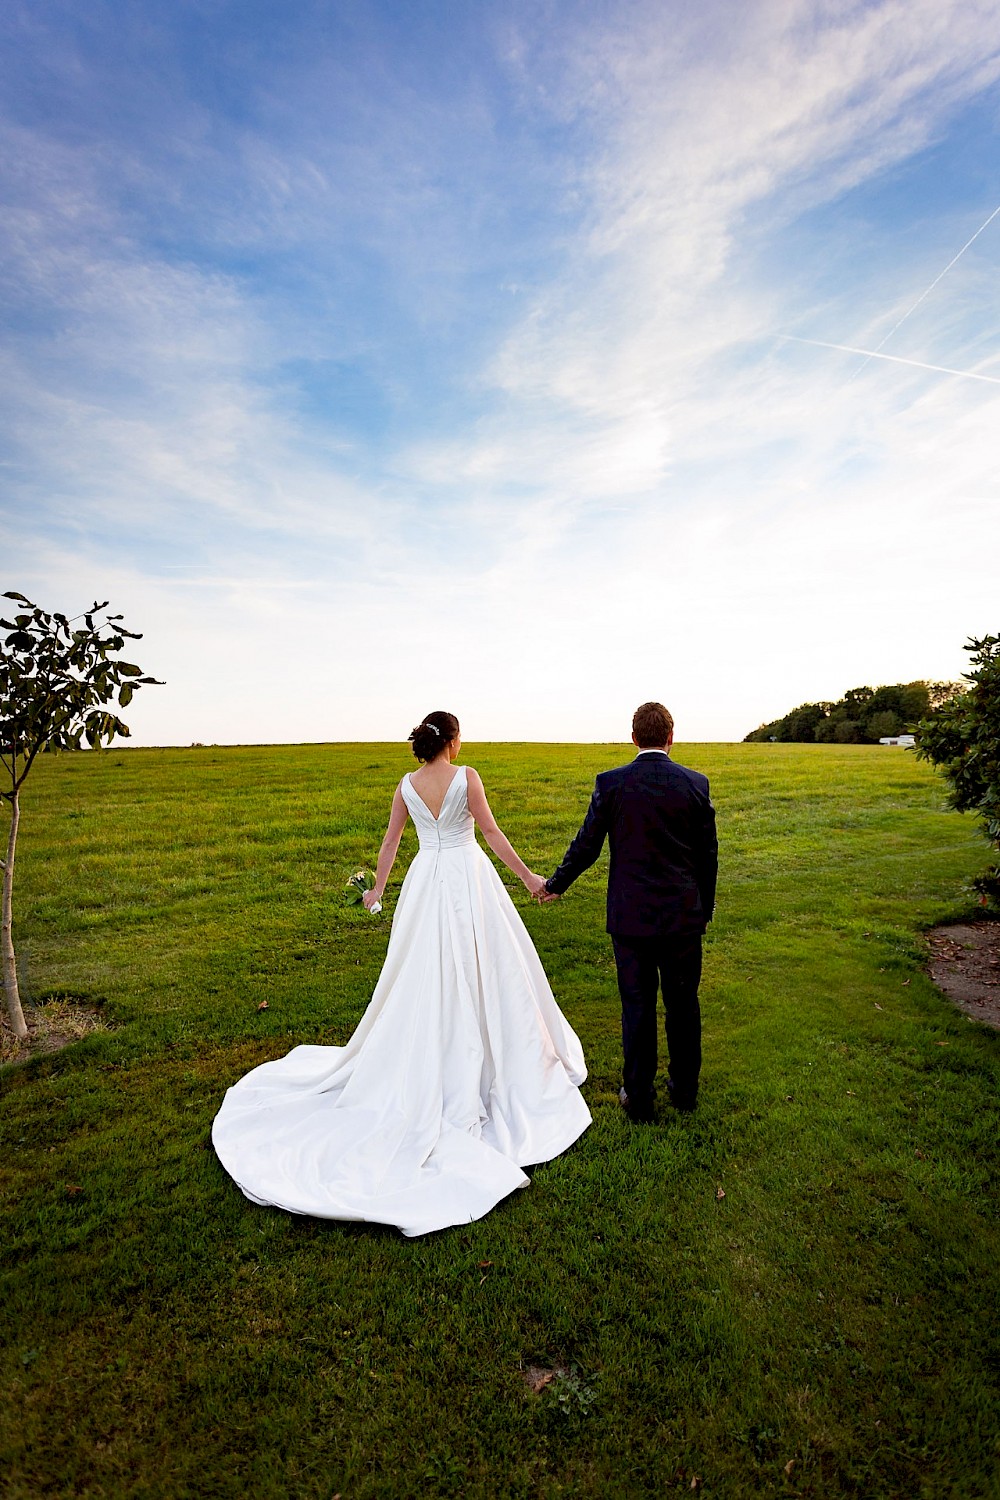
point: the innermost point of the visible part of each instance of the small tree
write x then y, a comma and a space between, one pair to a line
55, 678
962, 737
885, 722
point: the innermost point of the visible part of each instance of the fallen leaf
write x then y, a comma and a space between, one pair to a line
696, 1481
790, 1466
483, 1264
942, 1044
720, 1192
877, 1006
72, 1189
263, 1005
850, 1094
920, 1156
905, 982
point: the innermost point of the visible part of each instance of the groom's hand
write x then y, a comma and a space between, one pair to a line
545, 896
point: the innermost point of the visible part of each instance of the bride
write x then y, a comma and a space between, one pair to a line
462, 1070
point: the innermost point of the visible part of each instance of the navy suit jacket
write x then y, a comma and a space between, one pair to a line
659, 821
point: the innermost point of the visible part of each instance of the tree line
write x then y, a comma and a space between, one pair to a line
863, 716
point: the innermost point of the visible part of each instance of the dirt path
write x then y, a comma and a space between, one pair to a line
50, 1028
965, 964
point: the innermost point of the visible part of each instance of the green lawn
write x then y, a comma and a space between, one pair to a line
792, 1291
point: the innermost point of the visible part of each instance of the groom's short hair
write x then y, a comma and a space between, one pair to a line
652, 725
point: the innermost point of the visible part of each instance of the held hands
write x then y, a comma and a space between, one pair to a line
536, 887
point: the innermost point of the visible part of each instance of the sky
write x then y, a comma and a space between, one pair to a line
380, 357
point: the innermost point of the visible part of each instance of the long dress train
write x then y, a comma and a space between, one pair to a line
462, 1070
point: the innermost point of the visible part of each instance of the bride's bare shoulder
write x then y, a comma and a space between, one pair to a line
474, 787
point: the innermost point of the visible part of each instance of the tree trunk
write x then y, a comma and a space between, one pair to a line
6, 936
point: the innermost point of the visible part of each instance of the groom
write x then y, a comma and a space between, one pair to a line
660, 826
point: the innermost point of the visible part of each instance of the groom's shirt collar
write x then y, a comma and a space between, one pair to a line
652, 750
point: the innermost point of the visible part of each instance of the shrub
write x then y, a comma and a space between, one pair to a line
962, 738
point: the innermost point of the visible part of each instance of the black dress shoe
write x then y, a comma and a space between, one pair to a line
683, 1102
637, 1116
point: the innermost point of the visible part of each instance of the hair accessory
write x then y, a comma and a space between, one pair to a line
435, 729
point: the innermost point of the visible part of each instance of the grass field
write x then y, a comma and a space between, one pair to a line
793, 1291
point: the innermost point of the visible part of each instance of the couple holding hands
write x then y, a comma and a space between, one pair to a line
463, 1069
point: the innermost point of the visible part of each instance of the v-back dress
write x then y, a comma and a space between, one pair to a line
462, 1070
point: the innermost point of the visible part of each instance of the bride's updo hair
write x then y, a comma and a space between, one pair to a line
432, 734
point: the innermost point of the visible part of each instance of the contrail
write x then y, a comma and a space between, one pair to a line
926, 293
895, 358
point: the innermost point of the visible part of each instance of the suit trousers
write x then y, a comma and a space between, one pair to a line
671, 963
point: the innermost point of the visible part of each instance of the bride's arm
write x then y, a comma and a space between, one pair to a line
387, 853
495, 837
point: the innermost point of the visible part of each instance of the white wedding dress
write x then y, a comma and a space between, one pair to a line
462, 1070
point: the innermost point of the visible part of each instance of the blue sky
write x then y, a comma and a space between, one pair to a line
380, 357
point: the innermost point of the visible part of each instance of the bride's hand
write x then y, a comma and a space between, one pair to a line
370, 899
535, 884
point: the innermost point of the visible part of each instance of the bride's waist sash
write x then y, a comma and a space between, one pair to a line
459, 839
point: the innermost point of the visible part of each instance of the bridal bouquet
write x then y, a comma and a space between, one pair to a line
362, 880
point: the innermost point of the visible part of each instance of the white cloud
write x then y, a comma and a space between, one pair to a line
792, 105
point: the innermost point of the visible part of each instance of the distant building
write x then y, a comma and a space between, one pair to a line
899, 739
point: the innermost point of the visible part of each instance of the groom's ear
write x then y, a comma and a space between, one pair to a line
635, 741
